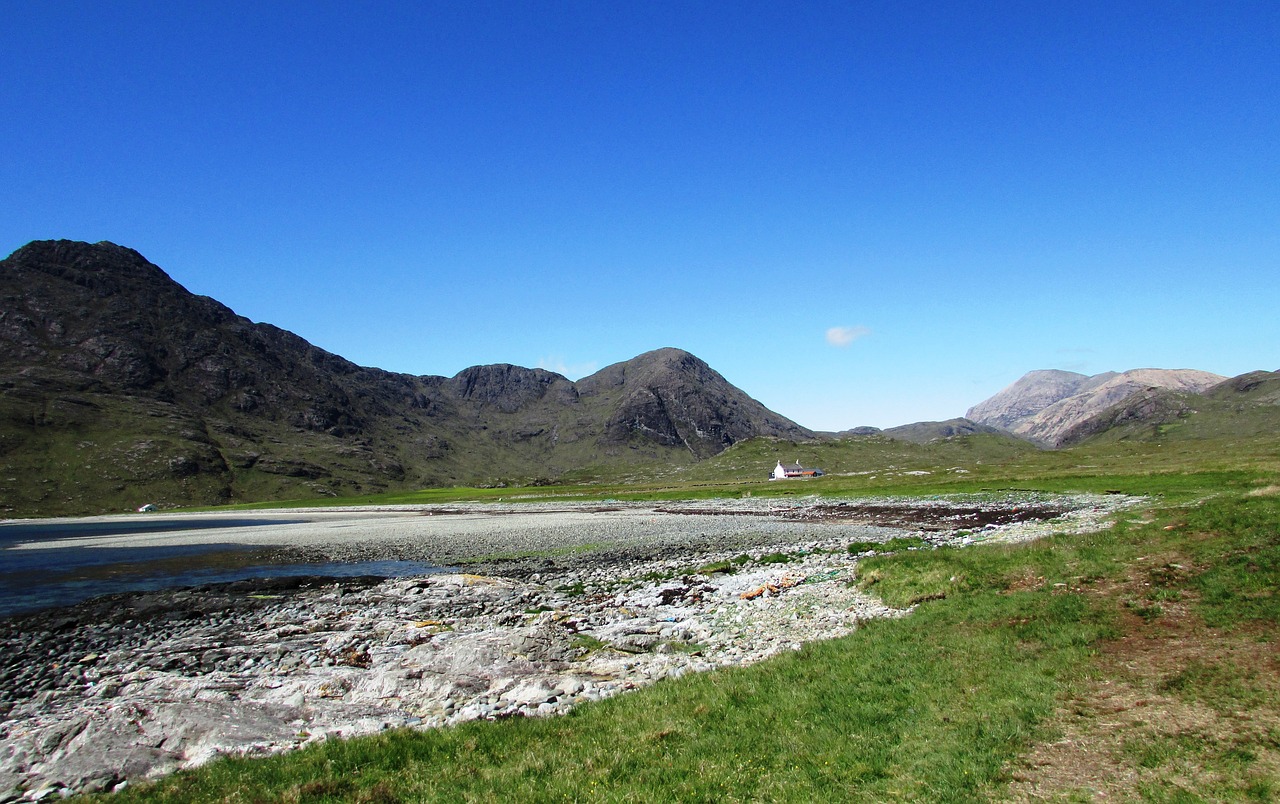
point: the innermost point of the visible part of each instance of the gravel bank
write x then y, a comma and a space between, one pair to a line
555, 605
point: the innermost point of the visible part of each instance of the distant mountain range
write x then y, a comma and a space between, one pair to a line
119, 387
1048, 406
1240, 408
1056, 409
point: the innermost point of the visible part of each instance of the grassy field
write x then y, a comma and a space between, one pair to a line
877, 465
1140, 663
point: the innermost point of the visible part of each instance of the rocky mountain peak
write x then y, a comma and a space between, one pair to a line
1030, 394
1045, 406
645, 367
143, 388
677, 399
509, 387
103, 257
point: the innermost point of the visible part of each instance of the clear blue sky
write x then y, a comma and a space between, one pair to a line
859, 213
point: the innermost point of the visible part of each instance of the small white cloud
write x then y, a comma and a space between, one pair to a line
574, 371
843, 336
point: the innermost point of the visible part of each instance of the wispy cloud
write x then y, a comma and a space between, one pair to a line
574, 371
843, 336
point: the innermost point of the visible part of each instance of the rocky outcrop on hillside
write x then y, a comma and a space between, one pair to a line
1259, 387
509, 388
1148, 409
121, 387
1044, 406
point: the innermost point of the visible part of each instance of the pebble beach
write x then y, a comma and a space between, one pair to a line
534, 608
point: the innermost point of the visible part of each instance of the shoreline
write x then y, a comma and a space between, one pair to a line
576, 604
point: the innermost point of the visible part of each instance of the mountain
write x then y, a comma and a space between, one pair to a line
1260, 387
1032, 393
118, 387
1244, 407
1044, 406
674, 399
924, 432
853, 432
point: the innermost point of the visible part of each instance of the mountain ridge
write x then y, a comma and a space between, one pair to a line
110, 366
1243, 407
1044, 406
118, 386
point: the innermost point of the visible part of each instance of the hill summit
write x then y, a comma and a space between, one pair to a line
121, 387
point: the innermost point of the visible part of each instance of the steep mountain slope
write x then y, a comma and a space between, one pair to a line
118, 386
1030, 394
1141, 415
1044, 406
671, 397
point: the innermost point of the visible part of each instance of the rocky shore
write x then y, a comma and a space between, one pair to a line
542, 608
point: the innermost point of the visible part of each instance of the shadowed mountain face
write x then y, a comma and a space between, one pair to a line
121, 387
675, 399
1045, 406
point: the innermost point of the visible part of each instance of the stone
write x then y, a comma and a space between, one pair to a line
530, 691
432, 650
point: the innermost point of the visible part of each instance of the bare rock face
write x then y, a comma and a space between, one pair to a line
672, 397
1032, 393
510, 388
1044, 406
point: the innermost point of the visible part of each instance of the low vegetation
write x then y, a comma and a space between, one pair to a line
1139, 662
877, 465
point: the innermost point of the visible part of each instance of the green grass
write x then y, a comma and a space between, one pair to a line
1240, 582
932, 708
1226, 689
942, 705
94, 453
1177, 472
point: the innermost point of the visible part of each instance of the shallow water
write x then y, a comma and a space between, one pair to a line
12, 533
35, 579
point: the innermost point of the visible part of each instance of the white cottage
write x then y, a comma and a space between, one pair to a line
783, 471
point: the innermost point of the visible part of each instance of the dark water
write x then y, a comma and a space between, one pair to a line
14, 532
37, 579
